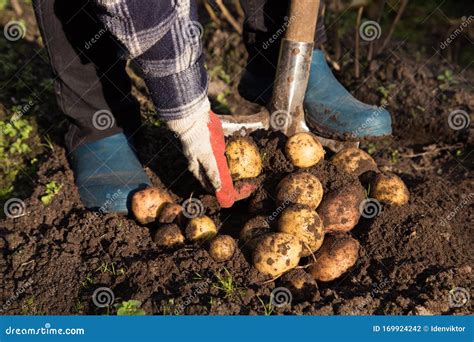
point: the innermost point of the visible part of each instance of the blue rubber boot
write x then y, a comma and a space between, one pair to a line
107, 173
332, 112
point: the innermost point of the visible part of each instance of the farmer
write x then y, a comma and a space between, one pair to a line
88, 41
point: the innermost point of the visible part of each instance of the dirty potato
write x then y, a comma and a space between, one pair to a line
354, 161
148, 203
304, 223
335, 257
222, 248
304, 150
253, 230
277, 253
340, 210
300, 188
302, 286
168, 236
200, 229
169, 212
243, 158
390, 189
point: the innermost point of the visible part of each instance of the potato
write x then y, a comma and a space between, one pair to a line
243, 158
354, 161
148, 203
304, 223
222, 248
168, 236
390, 189
300, 188
200, 229
277, 253
253, 230
169, 212
336, 256
304, 150
339, 209
301, 285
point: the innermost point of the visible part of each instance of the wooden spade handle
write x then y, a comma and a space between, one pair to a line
302, 20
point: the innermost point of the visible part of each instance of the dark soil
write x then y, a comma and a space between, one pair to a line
53, 258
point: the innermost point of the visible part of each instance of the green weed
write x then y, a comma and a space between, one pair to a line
267, 307
446, 79
394, 156
225, 283
88, 280
130, 308
14, 150
110, 268
52, 189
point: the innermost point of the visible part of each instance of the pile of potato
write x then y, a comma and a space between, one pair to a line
311, 224
155, 206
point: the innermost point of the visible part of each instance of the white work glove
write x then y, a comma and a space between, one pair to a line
202, 137
193, 131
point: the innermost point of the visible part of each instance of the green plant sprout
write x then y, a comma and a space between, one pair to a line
130, 308
48, 143
226, 284
14, 150
394, 154
52, 189
446, 78
106, 267
267, 308
169, 308
88, 280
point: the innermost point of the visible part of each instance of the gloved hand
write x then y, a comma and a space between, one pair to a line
203, 143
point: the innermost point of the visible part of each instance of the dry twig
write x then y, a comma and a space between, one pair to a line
17, 7
394, 24
228, 16
212, 13
357, 43
370, 51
